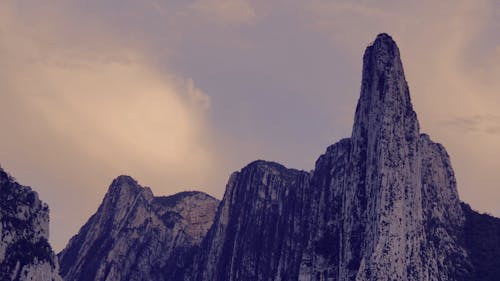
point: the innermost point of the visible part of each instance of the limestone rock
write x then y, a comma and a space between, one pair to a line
25, 253
258, 231
136, 236
381, 205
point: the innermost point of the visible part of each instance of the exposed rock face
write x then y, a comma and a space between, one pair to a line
258, 231
25, 253
381, 205
401, 211
136, 236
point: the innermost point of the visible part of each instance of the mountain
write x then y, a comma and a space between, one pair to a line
482, 240
136, 236
381, 205
25, 253
258, 232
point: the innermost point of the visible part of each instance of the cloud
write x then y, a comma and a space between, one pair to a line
486, 124
81, 105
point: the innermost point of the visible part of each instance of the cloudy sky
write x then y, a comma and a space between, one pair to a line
179, 94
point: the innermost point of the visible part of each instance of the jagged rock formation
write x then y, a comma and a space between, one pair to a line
25, 253
136, 236
257, 233
381, 205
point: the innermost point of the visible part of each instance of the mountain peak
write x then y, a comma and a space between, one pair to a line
384, 52
125, 189
385, 98
384, 38
124, 180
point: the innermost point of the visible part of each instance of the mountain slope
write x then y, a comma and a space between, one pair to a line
25, 253
259, 226
381, 205
482, 240
136, 236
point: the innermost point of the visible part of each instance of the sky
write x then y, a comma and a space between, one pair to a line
179, 94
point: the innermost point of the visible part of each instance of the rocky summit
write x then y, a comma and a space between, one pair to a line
380, 205
25, 253
136, 236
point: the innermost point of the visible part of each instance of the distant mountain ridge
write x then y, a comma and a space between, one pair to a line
379, 205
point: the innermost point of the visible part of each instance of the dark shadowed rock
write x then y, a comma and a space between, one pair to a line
25, 253
482, 240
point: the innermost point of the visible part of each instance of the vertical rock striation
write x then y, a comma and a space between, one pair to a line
258, 231
401, 211
381, 205
322, 255
136, 236
25, 253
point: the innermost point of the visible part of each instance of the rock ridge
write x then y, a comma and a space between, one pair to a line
136, 236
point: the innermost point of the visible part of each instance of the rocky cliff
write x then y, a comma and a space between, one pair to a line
381, 205
25, 253
258, 231
136, 236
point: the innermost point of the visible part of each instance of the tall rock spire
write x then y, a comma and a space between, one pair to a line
384, 103
381, 205
384, 230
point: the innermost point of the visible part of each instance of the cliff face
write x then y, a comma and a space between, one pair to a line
401, 213
381, 205
25, 253
136, 236
258, 232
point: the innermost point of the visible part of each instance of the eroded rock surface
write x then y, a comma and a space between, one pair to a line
25, 253
381, 205
136, 236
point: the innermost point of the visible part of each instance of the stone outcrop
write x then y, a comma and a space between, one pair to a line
25, 253
136, 236
258, 230
381, 205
